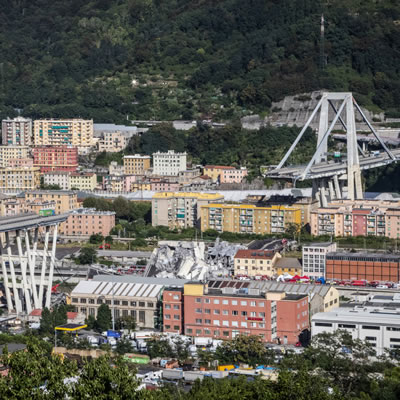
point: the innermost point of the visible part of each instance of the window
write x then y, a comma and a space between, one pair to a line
167, 326
99, 301
141, 304
116, 302
167, 316
198, 300
396, 340
235, 323
83, 301
207, 321
198, 331
176, 327
150, 304
75, 300
133, 313
176, 297
225, 312
216, 322
198, 310
199, 321
133, 303
176, 306
225, 302
370, 338
261, 314
225, 333
371, 327
168, 306
261, 304
243, 324
252, 303
348, 326
142, 317
207, 332
177, 317
253, 314
207, 311
125, 313
108, 301
235, 312
392, 328
83, 310
253, 324
225, 323
216, 312
216, 301
91, 301
216, 333
244, 313
243, 303
323, 324
234, 302
189, 330
207, 301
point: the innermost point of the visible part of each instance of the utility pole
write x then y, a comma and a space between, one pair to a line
322, 43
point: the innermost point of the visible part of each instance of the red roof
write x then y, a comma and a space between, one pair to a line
256, 254
37, 312
72, 315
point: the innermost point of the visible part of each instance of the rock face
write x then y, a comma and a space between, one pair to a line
295, 111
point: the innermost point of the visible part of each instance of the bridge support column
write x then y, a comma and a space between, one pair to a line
337, 187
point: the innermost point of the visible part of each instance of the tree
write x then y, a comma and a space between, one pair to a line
159, 347
90, 321
104, 318
87, 255
96, 238
181, 350
50, 319
126, 322
124, 346
243, 349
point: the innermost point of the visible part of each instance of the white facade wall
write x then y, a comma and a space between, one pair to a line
314, 259
61, 179
169, 164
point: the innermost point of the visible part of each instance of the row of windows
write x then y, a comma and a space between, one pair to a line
232, 302
234, 324
352, 326
116, 302
226, 312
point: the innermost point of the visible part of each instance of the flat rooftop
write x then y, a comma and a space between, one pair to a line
366, 255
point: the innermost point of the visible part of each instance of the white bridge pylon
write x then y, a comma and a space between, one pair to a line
28, 292
344, 109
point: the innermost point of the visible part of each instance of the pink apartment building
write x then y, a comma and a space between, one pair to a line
89, 221
233, 175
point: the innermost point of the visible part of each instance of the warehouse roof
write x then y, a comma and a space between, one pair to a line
141, 279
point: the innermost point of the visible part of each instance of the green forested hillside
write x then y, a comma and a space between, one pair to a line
167, 59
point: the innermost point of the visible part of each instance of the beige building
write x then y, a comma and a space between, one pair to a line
83, 181
65, 201
60, 178
255, 262
215, 171
56, 132
10, 153
180, 210
23, 178
89, 221
16, 132
358, 218
247, 218
112, 142
136, 164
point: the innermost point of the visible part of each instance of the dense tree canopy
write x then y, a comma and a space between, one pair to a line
165, 59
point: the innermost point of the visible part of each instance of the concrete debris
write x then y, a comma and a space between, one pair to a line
192, 260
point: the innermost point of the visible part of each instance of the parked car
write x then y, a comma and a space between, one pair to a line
382, 287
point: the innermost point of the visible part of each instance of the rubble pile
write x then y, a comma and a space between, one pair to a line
192, 260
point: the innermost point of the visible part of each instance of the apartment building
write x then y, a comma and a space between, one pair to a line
18, 205
65, 200
233, 175
288, 265
89, 221
379, 326
216, 171
17, 132
57, 132
225, 309
314, 258
363, 266
83, 181
20, 162
362, 218
255, 262
164, 186
112, 142
181, 209
247, 218
136, 164
169, 164
60, 178
55, 158
10, 153
23, 178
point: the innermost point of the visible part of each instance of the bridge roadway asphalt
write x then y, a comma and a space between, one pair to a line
328, 169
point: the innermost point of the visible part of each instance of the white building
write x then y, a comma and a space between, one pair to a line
112, 142
60, 178
17, 132
378, 326
314, 257
169, 164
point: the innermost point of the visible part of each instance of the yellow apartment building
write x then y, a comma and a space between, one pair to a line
21, 178
8, 153
57, 132
181, 209
255, 262
65, 200
83, 181
136, 164
215, 171
247, 218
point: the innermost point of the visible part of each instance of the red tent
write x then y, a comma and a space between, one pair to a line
305, 277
